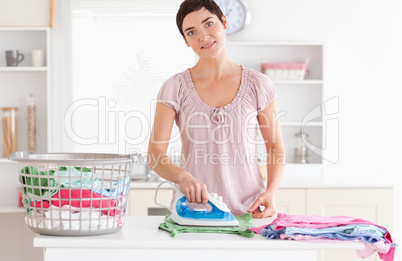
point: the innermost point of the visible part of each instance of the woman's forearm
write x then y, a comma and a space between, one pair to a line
275, 169
274, 176
193, 189
165, 167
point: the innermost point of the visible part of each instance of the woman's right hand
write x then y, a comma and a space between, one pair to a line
193, 189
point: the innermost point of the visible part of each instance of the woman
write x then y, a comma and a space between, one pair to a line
217, 106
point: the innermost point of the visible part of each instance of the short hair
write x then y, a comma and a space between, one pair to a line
189, 6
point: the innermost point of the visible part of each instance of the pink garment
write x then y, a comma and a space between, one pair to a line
301, 237
369, 249
380, 247
258, 230
218, 144
284, 220
78, 194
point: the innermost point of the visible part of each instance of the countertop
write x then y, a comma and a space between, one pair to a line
141, 232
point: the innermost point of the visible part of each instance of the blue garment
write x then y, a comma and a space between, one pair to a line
116, 189
366, 233
271, 233
71, 177
75, 178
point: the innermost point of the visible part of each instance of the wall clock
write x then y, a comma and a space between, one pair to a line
237, 14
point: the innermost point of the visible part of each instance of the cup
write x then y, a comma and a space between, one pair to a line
38, 57
13, 57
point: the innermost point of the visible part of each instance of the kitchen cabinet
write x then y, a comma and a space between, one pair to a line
15, 235
16, 84
300, 103
21, 81
16, 238
291, 201
141, 201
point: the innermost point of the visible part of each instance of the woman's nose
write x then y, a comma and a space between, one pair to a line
204, 36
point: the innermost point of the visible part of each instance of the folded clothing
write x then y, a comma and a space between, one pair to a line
80, 198
365, 233
312, 221
302, 227
245, 222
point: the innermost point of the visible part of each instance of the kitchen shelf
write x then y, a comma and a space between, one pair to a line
304, 82
11, 210
19, 82
311, 170
296, 100
298, 124
31, 28
258, 43
23, 69
5, 160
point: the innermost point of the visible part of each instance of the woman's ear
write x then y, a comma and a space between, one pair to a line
184, 38
225, 22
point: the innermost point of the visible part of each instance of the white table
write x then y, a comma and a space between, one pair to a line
140, 239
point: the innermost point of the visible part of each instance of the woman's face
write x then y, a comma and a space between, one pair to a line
204, 33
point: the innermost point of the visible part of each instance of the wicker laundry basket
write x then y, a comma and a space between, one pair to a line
74, 194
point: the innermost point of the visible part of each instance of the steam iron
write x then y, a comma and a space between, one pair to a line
214, 214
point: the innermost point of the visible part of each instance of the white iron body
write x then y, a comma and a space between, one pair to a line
218, 214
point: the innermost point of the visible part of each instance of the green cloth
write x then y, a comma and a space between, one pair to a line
245, 221
75, 179
44, 182
49, 182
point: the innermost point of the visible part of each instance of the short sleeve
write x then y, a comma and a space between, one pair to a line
263, 89
170, 93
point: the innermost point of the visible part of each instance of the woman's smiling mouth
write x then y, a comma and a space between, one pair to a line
208, 45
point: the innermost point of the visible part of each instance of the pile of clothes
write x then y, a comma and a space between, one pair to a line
73, 198
72, 219
302, 227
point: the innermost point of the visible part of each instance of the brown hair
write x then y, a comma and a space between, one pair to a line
189, 6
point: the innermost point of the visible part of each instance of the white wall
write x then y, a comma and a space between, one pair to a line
362, 64
361, 60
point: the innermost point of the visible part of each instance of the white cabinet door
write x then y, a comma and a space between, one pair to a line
291, 201
370, 204
141, 201
16, 239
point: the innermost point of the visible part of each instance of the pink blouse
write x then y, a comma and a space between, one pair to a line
219, 144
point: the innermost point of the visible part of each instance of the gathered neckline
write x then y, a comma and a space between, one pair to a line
205, 107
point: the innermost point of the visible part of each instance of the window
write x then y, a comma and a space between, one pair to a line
121, 53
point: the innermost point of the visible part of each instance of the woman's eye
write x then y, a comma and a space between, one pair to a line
209, 24
191, 33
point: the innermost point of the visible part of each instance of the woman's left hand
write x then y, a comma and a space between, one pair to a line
266, 199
